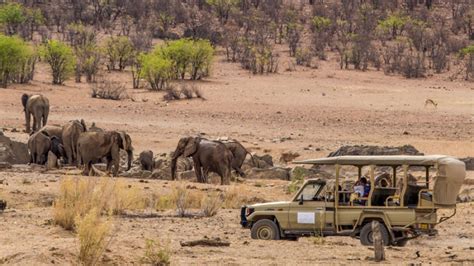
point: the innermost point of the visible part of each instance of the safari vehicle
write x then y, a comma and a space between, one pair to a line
406, 210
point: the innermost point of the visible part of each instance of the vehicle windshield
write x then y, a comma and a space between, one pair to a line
310, 192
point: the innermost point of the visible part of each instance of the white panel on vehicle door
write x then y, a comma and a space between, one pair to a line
306, 217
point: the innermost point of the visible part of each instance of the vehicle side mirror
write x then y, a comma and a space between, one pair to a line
301, 199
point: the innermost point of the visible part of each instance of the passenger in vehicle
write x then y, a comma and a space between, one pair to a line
363, 181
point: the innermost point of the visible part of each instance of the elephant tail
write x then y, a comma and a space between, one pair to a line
252, 158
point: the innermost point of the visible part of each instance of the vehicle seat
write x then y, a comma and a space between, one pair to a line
380, 194
411, 195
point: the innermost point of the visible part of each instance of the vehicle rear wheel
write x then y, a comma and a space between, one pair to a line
266, 230
366, 235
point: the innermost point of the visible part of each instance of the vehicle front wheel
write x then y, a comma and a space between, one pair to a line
266, 230
366, 238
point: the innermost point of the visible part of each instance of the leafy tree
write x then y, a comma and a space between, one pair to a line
395, 24
12, 16
223, 8
201, 58
119, 51
179, 52
156, 70
20, 20
16, 60
321, 27
61, 59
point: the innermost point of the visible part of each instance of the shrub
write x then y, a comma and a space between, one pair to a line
156, 253
156, 70
17, 19
119, 51
188, 56
125, 198
181, 199
17, 61
467, 55
394, 23
109, 90
88, 62
211, 204
321, 28
201, 58
303, 57
61, 59
223, 8
92, 232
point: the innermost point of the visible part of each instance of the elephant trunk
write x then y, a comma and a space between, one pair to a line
130, 158
174, 160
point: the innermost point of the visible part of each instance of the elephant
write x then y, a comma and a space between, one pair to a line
93, 146
57, 147
239, 152
212, 156
38, 107
146, 160
39, 145
56, 131
70, 135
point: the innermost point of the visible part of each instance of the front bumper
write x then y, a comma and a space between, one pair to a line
243, 217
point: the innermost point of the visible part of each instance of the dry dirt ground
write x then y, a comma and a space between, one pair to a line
323, 107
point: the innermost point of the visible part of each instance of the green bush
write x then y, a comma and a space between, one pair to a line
394, 23
17, 60
156, 70
191, 57
120, 52
467, 54
17, 19
61, 59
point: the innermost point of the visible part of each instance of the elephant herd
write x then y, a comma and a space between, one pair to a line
76, 144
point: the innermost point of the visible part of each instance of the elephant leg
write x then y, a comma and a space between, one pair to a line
109, 164
35, 121
205, 174
240, 172
27, 121
197, 170
87, 168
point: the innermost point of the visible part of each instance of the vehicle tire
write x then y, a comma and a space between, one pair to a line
266, 230
366, 235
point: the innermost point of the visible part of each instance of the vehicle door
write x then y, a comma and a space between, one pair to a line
308, 211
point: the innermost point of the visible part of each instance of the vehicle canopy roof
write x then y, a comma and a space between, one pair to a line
447, 182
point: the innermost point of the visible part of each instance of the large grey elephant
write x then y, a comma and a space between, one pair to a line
39, 144
93, 146
56, 131
239, 152
212, 156
38, 107
70, 135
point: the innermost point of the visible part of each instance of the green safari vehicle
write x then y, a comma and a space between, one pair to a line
406, 210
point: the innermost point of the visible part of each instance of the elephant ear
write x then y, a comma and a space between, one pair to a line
191, 146
126, 141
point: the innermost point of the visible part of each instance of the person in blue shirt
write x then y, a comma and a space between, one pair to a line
363, 181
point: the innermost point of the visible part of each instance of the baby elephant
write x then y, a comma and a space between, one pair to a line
146, 160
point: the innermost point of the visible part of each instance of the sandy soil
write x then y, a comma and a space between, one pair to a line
323, 107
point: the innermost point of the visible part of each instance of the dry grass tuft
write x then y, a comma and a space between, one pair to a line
181, 199
211, 204
93, 233
156, 253
109, 90
79, 195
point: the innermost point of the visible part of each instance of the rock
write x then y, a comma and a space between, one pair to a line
52, 161
187, 175
13, 152
216, 242
467, 195
287, 157
163, 174
5, 165
309, 173
265, 161
269, 173
375, 150
469, 161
